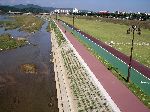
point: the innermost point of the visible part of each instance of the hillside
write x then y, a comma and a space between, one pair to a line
26, 8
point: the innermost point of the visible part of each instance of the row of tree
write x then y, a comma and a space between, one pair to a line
129, 16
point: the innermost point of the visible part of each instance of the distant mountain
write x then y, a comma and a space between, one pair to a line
29, 6
48, 8
26, 8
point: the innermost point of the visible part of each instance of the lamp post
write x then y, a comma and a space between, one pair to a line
132, 29
73, 20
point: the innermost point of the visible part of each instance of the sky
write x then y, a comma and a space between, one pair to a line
94, 5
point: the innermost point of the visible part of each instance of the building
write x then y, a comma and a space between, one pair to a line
15, 13
65, 10
75, 10
29, 13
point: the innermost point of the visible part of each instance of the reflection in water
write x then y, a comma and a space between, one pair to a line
24, 92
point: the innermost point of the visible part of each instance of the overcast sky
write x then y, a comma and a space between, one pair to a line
95, 5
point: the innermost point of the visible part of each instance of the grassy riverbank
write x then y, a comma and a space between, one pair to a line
116, 33
29, 23
7, 42
24, 22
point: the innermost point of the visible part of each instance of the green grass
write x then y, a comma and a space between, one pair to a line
6, 42
142, 24
108, 32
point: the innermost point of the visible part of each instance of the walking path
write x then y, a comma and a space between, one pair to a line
122, 96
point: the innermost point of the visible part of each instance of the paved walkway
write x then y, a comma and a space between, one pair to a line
124, 99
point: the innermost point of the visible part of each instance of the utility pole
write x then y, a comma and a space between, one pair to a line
73, 20
132, 29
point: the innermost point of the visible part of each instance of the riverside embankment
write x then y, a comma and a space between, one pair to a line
77, 87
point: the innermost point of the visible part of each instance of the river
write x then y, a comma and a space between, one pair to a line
26, 92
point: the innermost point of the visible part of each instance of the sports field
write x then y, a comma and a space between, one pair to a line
116, 35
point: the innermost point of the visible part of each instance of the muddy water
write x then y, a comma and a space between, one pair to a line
25, 92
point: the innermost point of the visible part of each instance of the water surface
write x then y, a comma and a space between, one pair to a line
24, 92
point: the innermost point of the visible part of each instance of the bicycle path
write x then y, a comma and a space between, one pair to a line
120, 94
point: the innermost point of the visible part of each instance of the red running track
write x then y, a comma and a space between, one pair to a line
120, 94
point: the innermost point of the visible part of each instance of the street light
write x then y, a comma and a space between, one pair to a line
73, 20
132, 29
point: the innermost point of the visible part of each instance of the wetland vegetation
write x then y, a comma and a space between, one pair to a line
8, 42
